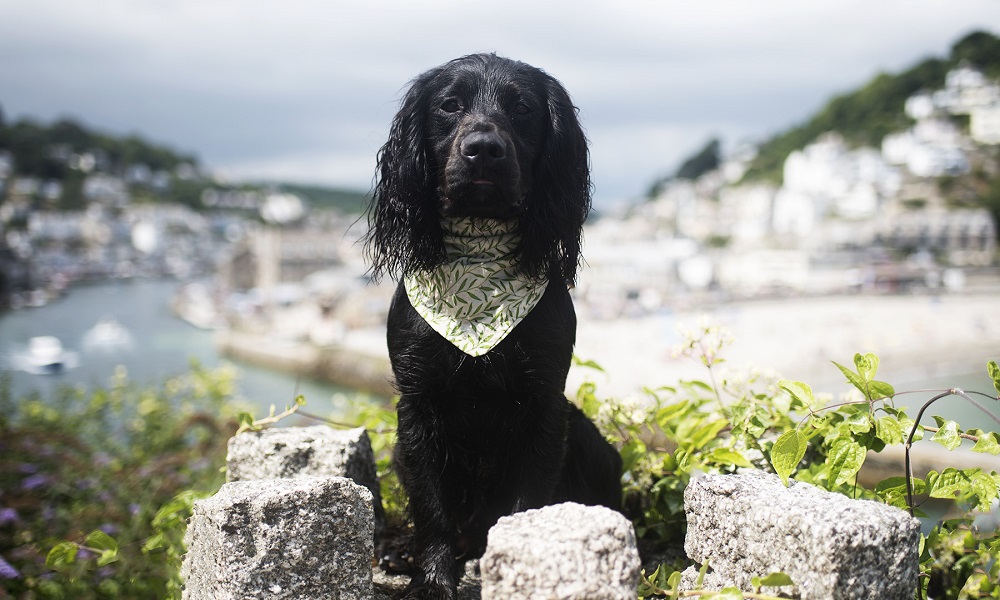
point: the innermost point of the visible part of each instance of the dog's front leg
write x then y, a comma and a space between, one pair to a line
420, 460
543, 455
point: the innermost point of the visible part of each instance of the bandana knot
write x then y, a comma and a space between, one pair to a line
477, 296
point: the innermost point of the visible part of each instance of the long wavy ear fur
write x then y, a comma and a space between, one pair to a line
404, 234
552, 227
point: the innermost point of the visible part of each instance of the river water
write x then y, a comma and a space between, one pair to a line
161, 345
164, 345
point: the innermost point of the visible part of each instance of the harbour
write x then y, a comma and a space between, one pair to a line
160, 345
924, 342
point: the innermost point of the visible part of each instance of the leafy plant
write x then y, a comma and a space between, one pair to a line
753, 419
97, 484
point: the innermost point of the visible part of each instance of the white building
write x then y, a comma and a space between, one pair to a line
745, 212
984, 124
106, 188
966, 92
836, 181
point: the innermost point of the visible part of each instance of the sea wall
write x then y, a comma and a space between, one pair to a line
350, 367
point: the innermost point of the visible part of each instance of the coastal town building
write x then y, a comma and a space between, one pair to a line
844, 217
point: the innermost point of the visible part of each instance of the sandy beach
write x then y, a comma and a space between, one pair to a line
914, 336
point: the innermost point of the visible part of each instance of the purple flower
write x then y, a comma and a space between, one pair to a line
8, 515
7, 571
34, 481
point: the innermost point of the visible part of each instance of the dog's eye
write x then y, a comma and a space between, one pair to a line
450, 105
522, 109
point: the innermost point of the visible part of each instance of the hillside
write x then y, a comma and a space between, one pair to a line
866, 115
350, 202
66, 153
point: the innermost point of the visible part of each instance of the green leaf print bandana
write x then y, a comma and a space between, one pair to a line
477, 296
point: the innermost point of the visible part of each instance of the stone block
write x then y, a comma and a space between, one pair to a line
833, 547
566, 551
316, 451
307, 537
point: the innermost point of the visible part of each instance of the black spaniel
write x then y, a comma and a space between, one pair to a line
482, 191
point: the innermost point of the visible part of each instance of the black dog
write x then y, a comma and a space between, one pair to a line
485, 174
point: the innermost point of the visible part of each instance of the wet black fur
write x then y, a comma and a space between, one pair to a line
483, 437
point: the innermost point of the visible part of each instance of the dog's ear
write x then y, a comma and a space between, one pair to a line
403, 230
552, 227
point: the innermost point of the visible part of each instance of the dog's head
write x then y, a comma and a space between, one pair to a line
482, 136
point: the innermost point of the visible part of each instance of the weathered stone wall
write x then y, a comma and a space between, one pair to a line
567, 551
267, 536
309, 537
831, 546
288, 452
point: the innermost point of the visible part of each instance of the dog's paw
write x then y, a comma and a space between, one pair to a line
396, 561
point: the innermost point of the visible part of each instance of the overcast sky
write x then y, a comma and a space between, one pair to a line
304, 90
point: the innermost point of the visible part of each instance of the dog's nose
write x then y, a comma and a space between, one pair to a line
483, 147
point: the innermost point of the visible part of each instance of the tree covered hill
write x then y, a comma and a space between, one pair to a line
40, 150
867, 115
67, 152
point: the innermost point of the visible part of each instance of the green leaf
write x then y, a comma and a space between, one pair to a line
632, 452
994, 372
880, 389
950, 483
800, 391
892, 491
674, 582
589, 364
245, 421
61, 555
853, 378
787, 452
985, 490
893, 484
706, 433
155, 542
867, 365
948, 436
727, 456
845, 459
889, 430
659, 576
776, 580
701, 575
107, 557
989, 442
98, 540
726, 593
860, 422
670, 412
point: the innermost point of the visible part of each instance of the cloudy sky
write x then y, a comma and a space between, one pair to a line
304, 90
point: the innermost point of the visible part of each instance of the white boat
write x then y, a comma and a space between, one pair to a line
46, 355
107, 334
194, 303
